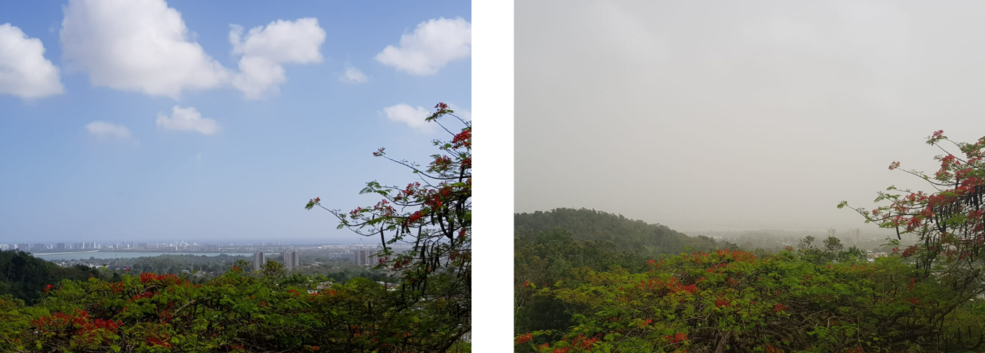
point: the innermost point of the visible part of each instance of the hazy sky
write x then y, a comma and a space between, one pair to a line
158, 120
738, 114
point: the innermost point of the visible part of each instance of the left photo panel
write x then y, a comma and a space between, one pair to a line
208, 177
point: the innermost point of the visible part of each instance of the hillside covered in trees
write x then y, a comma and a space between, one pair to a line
548, 246
22, 275
625, 234
577, 294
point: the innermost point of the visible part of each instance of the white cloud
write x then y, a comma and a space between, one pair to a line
414, 117
136, 45
463, 113
24, 72
432, 45
352, 75
104, 129
263, 51
187, 119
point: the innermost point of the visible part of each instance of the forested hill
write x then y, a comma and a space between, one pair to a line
22, 275
625, 234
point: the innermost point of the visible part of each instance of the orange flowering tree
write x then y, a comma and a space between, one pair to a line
949, 221
434, 216
736, 301
238, 311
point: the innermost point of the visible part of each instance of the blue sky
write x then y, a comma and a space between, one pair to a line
126, 129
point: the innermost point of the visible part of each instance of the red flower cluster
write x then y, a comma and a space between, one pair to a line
910, 250
147, 295
463, 139
435, 201
671, 286
677, 338
584, 342
79, 321
779, 307
414, 217
166, 279
400, 264
524, 338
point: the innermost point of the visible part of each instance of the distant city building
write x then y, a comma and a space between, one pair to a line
60, 246
365, 257
291, 261
77, 246
831, 232
343, 257
23, 247
37, 247
854, 234
362, 257
258, 260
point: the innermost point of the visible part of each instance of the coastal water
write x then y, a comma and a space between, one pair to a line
124, 254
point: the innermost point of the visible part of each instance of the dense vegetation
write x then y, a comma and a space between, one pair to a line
548, 245
924, 298
273, 311
22, 275
203, 268
625, 234
238, 311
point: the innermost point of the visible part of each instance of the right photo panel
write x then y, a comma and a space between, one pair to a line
749, 176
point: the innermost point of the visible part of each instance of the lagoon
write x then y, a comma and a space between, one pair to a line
85, 255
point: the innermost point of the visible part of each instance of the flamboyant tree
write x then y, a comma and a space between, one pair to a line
434, 216
949, 221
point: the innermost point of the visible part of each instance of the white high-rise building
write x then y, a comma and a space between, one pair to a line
291, 260
855, 234
365, 257
258, 260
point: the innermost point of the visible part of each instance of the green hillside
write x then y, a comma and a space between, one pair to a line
550, 247
22, 275
625, 234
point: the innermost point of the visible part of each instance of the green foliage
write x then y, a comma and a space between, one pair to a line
548, 246
237, 311
736, 301
22, 275
627, 235
273, 269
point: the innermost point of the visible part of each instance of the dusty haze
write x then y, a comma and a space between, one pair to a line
738, 115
